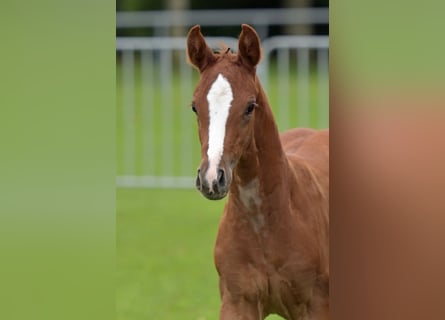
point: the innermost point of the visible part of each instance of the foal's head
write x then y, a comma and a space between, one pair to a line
224, 102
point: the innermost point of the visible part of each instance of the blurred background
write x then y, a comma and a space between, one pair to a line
165, 228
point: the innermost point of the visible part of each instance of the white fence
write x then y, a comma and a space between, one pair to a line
157, 142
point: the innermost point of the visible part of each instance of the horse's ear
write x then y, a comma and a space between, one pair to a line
198, 53
249, 48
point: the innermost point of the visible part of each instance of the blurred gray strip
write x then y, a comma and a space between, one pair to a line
186, 115
323, 88
168, 43
222, 17
148, 112
128, 111
132, 181
283, 88
167, 114
303, 81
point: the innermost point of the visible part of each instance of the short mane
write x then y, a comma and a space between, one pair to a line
223, 50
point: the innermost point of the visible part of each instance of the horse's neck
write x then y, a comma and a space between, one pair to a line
264, 158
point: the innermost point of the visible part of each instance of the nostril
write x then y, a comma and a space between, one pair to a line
198, 180
221, 178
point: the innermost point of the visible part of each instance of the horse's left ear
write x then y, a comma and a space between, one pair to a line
249, 48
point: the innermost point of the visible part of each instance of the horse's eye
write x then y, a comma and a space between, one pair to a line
193, 108
250, 107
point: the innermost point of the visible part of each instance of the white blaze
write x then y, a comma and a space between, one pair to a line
220, 97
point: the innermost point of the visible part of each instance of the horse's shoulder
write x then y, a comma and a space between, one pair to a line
295, 139
309, 149
292, 139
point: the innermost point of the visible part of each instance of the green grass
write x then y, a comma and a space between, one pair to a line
165, 255
165, 267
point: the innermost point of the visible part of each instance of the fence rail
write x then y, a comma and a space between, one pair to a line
156, 132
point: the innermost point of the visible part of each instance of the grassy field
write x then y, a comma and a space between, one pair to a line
165, 267
164, 255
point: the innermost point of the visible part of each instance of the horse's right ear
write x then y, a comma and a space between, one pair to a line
249, 47
198, 53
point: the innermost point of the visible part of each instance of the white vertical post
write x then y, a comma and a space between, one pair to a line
148, 121
167, 113
303, 87
263, 70
283, 89
187, 116
323, 87
128, 102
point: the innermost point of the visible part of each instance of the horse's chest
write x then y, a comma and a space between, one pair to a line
264, 264
255, 255
249, 195
278, 291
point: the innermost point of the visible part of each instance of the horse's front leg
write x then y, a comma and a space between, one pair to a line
240, 309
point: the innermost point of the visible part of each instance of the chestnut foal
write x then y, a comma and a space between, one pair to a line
272, 248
